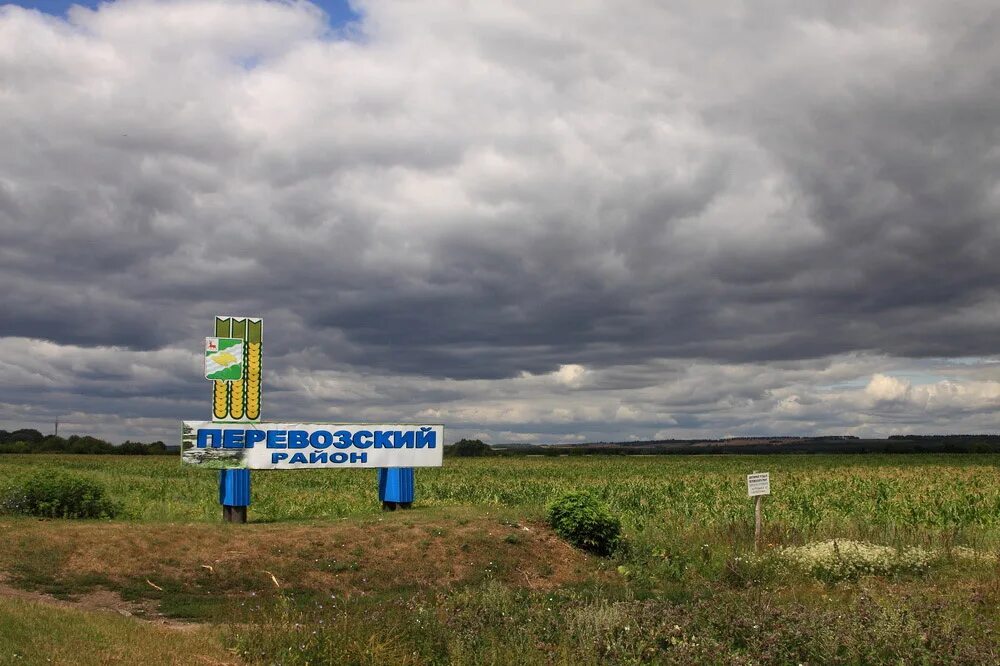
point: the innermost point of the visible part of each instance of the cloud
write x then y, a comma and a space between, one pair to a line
683, 218
946, 397
884, 388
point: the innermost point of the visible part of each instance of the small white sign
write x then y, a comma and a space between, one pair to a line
758, 484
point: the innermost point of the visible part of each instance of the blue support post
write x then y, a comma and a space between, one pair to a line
395, 487
234, 494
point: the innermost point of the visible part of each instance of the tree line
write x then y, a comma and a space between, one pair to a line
28, 440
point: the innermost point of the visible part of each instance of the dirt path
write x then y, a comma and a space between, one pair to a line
98, 600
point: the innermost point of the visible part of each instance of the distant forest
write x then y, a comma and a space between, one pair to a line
31, 441
767, 445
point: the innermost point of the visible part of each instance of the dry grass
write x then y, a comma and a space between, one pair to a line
415, 549
109, 584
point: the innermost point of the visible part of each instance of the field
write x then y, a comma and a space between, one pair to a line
473, 575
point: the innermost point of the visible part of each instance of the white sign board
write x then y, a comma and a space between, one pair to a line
758, 484
227, 445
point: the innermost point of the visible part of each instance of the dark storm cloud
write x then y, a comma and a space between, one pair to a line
497, 194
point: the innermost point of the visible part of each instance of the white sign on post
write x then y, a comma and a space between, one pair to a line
758, 484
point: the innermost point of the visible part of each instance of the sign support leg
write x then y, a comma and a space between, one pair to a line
234, 494
234, 514
395, 487
758, 522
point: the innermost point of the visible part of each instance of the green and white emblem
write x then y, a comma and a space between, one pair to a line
224, 359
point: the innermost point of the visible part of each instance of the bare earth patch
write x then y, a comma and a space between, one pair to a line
98, 601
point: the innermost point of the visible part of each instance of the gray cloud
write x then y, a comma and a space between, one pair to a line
444, 200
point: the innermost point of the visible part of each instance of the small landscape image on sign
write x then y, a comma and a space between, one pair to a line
224, 359
758, 484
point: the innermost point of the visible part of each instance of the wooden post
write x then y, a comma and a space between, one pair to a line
758, 523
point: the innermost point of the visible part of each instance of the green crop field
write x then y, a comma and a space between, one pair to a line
899, 496
473, 575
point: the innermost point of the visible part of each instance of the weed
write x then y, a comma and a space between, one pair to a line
56, 494
583, 520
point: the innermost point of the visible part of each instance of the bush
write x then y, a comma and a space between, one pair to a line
52, 494
586, 522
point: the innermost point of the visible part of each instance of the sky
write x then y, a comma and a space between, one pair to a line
529, 221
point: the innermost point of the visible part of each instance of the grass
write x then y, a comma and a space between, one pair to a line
35, 633
472, 575
495, 623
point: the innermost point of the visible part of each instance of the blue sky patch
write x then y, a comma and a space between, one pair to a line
338, 11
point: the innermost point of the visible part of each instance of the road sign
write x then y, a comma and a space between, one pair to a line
758, 483
262, 445
236, 441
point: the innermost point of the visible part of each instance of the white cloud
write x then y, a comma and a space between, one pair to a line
570, 375
882, 387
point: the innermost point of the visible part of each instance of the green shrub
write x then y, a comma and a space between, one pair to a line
586, 522
53, 494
